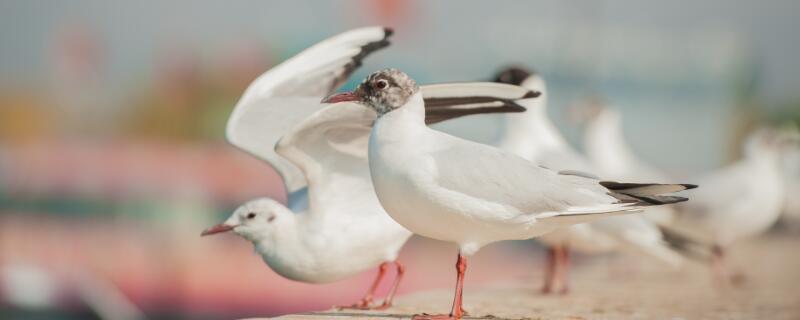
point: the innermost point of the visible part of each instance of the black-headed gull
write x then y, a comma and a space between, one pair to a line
333, 226
534, 137
450, 189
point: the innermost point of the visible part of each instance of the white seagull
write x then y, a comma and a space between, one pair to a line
765, 150
333, 226
534, 137
450, 189
609, 151
792, 186
791, 178
739, 201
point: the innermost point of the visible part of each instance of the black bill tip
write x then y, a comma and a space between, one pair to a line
532, 94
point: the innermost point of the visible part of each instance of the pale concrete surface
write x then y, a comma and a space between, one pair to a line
619, 288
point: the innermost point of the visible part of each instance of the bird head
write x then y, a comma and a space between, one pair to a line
522, 77
254, 220
769, 140
383, 91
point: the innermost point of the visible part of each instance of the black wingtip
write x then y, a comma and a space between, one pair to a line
356, 60
532, 94
513, 75
620, 186
441, 109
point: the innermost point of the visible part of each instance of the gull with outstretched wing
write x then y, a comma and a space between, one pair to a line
333, 225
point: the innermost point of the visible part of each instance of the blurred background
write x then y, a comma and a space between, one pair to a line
112, 155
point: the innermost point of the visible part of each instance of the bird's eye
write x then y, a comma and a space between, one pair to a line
251, 215
381, 84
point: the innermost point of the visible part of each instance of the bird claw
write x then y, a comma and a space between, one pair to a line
363, 304
382, 306
426, 316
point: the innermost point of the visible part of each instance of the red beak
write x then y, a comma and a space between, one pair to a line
341, 97
220, 228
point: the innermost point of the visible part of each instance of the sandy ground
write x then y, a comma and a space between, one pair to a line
624, 288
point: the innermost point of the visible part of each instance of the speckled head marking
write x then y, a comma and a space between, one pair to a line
386, 90
383, 91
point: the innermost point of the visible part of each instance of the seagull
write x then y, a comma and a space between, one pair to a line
333, 226
534, 137
608, 150
791, 174
746, 197
792, 185
450, 189
739, 201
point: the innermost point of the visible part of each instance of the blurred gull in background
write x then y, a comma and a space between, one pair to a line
791, 178
742, 200
533, 136
739, 201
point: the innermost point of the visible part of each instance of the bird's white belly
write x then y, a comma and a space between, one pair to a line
341, 251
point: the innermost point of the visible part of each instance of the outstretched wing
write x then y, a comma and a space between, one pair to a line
289, 93
330, 146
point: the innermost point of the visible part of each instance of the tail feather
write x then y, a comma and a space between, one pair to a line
577, 215
646, 193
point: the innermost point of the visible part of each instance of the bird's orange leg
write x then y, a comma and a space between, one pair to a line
365, 302
388, 301
549, 270
457, 311
565, 267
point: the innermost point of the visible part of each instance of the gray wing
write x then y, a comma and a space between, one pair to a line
565, 158
486, 173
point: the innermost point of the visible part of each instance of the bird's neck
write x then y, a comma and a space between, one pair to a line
285, 235
764, 159
284, 251
526, 133
403, 122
